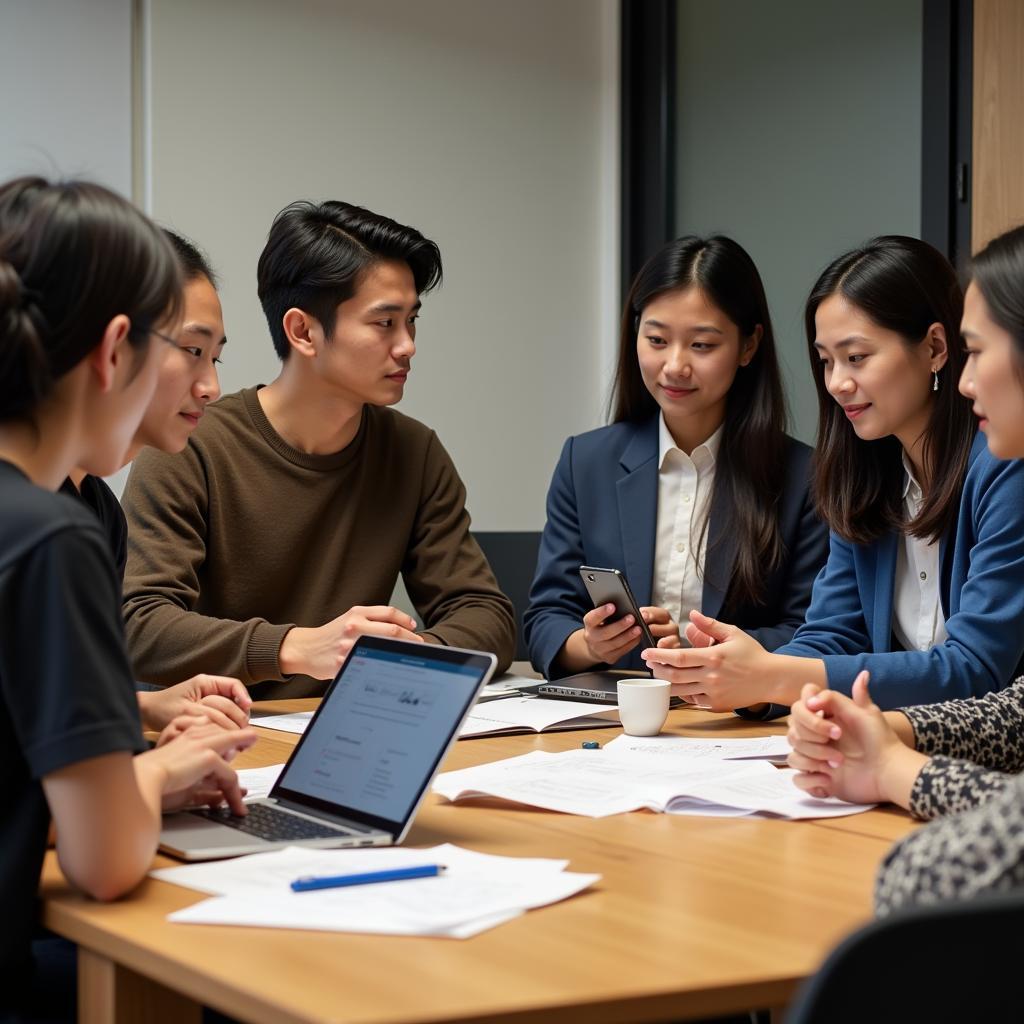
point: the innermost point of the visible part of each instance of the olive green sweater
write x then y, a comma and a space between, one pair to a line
240, 537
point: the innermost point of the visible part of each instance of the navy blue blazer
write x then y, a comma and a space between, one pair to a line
849, 622
602, 510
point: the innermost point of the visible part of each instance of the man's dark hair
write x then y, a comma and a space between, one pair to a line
194, 262
315, 253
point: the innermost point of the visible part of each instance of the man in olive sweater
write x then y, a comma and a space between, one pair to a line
276, 538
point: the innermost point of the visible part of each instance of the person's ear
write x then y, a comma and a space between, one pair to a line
938, 347
750, 345
304, 333
112, 353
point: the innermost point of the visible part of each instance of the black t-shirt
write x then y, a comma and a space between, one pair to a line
66, 689
100, 498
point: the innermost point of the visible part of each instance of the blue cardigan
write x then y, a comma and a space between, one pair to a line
849, 622
602, 510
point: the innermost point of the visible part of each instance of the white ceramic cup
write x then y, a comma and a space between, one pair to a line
643, 705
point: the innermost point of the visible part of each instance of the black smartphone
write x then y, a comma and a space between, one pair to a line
609, 586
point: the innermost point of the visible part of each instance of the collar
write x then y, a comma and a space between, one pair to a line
703, 456
910, 485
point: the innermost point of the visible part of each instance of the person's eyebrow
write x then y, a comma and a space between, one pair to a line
699, 329
203, 329
392, 307
966, 332
845, 343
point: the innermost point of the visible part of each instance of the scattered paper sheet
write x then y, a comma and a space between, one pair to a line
598, 783
294, 723
259, 781
771, 748
536, 714
774, 796
478, 891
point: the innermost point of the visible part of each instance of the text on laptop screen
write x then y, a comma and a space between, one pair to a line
380, 731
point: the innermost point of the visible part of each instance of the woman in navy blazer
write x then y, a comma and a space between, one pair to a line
927, 595
697, 372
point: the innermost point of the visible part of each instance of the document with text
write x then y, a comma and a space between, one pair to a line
598, 783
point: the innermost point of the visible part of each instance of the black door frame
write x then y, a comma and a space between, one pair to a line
946, 124
648, 130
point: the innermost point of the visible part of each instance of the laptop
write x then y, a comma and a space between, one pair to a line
599, 686
364, 763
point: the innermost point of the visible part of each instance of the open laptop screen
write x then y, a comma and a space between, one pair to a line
373, 746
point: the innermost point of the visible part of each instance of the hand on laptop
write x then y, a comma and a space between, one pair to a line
193, 767
219, 700
320, 652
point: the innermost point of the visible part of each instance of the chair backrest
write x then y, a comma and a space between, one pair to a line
513, 557
952, 962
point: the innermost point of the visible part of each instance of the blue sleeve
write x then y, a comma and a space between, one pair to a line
834, 624
558, 599
807, 551
986, 630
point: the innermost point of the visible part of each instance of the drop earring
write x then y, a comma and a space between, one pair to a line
935, 380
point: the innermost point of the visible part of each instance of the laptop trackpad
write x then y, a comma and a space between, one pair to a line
186, 831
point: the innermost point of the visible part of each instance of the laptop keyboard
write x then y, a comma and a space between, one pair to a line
268, 822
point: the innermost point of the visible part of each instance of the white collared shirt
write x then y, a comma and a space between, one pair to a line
685, 483
917, 619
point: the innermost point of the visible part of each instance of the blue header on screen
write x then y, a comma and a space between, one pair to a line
406, 659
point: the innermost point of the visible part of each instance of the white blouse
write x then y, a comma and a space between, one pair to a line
685, 483
917, 619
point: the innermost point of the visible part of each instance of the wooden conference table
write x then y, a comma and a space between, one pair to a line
692, 917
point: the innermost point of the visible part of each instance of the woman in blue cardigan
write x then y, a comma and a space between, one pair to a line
695, 491
924, 585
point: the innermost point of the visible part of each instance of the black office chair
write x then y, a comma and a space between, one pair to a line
953, 962
513, 557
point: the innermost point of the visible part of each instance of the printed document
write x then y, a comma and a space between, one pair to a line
598, 783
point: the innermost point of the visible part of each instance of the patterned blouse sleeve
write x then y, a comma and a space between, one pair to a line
947, 786
987, 731
962, 856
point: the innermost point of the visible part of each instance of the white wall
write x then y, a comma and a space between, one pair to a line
66, 82
491, 126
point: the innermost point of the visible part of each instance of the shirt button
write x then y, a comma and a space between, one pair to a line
686, 498
924, 575
680, 548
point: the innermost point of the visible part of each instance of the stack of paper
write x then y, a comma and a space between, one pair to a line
653, 775
478, 891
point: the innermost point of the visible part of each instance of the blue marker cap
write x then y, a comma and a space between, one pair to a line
591, 745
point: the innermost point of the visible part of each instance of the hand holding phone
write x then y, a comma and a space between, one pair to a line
607, 634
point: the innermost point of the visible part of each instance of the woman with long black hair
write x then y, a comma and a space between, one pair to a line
694, 490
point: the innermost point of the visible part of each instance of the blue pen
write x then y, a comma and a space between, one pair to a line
312, 882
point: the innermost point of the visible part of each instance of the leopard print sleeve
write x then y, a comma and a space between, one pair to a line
947, 786
962, 856
987, 730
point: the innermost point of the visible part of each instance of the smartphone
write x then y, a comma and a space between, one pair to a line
609, 586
